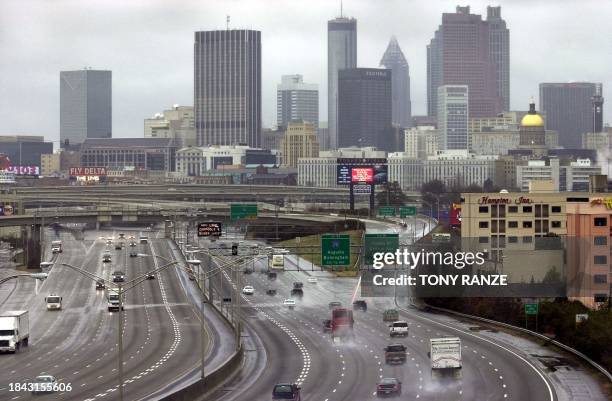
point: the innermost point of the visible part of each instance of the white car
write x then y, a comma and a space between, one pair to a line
284, 251
248, 290
312, 280
289, 303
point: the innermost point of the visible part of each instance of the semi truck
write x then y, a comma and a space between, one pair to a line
445, 353
56, 246
342, 323
14, 330
277, 262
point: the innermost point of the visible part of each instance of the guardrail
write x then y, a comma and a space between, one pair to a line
567, 348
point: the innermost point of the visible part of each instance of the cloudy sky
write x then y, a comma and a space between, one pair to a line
148, 45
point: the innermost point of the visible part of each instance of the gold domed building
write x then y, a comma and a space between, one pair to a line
531, 132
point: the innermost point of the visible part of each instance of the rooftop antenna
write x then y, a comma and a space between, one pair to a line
227, 21
340, 8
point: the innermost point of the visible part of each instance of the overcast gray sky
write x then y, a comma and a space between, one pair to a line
148, 45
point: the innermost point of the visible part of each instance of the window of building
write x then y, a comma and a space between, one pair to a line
600, 221
600, 240
600, 278
600, 298
527, 239
483, 209
600, 259
483, 224
527, 224
512, 209
556, 209
513, 224
512, 240
483, 240
556, 224
527, 209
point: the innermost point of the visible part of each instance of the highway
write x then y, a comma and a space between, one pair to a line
295, 348
78, 345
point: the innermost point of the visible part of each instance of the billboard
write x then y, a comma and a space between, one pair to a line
362, 175
209, 229
24, 170
84, 171
345, 167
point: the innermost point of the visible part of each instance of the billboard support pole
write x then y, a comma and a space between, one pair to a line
371, 200
352, 197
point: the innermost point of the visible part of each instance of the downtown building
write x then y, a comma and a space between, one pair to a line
460, 54
296, 100
24, 150
572, 109
85, 106
195, 161
300, 141
227, 87
177, 124
129, 154
453, 117
365, 109
394, 60
341, 55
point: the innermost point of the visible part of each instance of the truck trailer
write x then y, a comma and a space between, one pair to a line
14, 330
445, 353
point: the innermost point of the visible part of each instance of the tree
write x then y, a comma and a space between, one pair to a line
489, 186
391, 194
430, 189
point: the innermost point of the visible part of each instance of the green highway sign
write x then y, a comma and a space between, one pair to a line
406, 211
531, 309
243, 211
379, 243
335, 250
386, 211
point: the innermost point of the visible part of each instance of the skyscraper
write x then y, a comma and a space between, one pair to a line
569, 110
459, 54
364, 108
296, 100
453, 117
341, 54
597, 101
394, 60
227, 87
85, 105
499, 48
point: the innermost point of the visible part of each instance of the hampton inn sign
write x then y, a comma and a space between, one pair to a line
607, 202
521, 200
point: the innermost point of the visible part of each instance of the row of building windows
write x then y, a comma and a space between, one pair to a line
541, 210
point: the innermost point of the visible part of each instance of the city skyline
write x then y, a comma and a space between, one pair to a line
142, 85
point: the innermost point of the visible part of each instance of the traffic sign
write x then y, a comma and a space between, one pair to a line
386, 211
406, 211
243, 211
208, 229
379, 243
531, 309
335, 250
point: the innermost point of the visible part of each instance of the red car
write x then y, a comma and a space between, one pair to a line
389, 386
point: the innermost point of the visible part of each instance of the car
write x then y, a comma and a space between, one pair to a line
297, 292
109, 242
360, 304
298, 284
100, 284
283, 251
150, 276
248, 270
132, 244
133, 254
272, 275
334, 304
399, 328
248, 290
118, 276
119, 245
395, 354
312, 280
286, 391
43, 383
389, 386
271, 291
121, 235
327, 326
289, 303
132, 237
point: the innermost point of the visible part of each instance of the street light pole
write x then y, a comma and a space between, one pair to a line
120, 342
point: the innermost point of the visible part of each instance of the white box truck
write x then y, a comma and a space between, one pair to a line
56, 246
14, 330
445, 353
112, 298
277, 262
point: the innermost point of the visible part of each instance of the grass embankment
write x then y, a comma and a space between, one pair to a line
309, 248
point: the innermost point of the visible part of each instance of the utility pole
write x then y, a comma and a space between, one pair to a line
120, 342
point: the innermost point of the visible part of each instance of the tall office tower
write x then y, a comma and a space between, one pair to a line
364, 108
597, 101
227, 87
341, 54
499, 48
86, 106
568, 110
296, 100
394, 60
453, 117
459, 54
